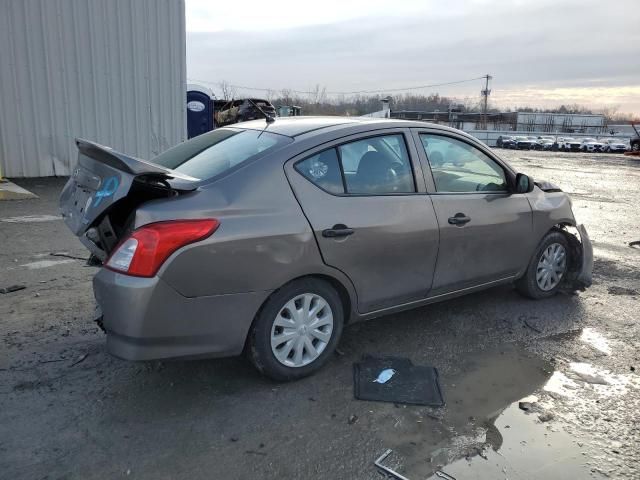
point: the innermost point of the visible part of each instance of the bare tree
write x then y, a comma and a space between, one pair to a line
270, 94
318, 95
228, 91
286, 96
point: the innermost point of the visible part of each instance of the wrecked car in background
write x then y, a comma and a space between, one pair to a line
270, 240
243, 110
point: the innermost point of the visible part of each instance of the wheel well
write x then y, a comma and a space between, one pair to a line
345, 299
575, 244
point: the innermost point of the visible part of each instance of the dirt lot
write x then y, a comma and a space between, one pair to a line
68, 410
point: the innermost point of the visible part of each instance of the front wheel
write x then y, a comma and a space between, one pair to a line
297, 330
547, 267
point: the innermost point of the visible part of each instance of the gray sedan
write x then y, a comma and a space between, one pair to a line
269, 238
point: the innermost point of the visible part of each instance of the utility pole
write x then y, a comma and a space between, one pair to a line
485, 93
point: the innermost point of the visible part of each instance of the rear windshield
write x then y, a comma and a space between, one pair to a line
216, 152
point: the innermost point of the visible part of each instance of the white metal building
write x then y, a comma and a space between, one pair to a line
560, 122
111, 71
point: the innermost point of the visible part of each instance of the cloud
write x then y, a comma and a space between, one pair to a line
536, 51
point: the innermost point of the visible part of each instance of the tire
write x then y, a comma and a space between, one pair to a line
635, 147
272, 321
528, 285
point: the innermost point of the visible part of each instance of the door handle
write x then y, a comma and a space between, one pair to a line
459, 219
338, 230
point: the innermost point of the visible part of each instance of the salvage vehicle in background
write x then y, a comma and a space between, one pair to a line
544, 144
634, 143
505, 141
615, 145
591, 145
269, 237
524, 143
243, 110
569, 144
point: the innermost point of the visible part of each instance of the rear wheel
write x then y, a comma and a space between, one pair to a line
297, 330
547, 268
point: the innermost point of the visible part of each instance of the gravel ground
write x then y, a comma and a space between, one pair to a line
68, 410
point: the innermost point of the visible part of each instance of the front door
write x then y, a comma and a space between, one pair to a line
371, 216
484, 228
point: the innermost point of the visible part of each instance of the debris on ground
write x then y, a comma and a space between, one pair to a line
396, 380
526, 406
385, 375
12, 288
378, 463
67, 255
446, 476
80, 359
352, 419
546, 417
535, 329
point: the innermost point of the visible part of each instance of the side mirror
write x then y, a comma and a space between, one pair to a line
524, 183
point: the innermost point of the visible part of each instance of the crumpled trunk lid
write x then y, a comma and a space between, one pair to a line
105, 189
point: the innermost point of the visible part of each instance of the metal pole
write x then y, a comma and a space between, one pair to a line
485, 94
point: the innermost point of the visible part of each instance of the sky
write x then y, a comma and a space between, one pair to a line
540, 53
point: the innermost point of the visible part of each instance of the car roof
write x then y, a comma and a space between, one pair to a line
298, 126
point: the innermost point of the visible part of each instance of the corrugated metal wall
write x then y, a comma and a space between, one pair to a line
112, 71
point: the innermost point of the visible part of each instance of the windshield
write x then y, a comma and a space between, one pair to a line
216, 152
589, 140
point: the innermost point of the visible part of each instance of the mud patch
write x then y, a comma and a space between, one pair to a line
616, 290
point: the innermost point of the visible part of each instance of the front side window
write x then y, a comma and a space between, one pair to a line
216, 152
377, 165
460, 167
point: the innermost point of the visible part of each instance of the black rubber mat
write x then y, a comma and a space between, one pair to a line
408, 383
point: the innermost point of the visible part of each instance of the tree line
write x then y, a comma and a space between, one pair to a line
318, 102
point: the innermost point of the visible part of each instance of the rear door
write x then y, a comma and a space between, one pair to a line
372, 219
485, 229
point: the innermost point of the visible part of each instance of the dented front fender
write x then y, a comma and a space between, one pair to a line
585, 272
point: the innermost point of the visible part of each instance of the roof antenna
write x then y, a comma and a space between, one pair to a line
267, 117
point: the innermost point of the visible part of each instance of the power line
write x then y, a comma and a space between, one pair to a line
355, 92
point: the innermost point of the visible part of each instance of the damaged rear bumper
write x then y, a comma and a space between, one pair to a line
146, 319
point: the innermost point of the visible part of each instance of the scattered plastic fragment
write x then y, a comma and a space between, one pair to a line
12, 288
385, 375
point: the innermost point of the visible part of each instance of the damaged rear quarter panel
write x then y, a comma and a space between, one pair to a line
549, 209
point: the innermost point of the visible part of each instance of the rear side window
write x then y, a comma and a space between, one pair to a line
219, 151
323, 170
372, 166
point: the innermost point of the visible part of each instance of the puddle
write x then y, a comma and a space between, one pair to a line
489, 382
482, 433
530, 449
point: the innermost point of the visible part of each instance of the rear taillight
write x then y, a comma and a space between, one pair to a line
146, 249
